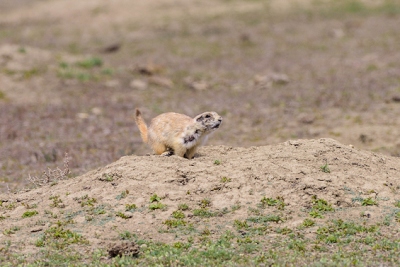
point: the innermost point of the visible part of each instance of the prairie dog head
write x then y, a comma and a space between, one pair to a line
192, 134
211, 120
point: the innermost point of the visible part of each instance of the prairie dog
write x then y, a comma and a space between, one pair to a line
177, 133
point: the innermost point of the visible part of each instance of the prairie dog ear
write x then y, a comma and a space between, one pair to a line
199, 118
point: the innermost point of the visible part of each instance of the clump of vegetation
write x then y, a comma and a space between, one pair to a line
307, 223
217, 162
130, 207
11, 230
51, 176
325, 168
123, 194
240, 224
156, 203
90, 63
87, 201
84, 70
126, 235
174, 223
183, 207
278, 202
338, 229
29, 213
57, 202
178, 214
204, 203
123, 215
59, 237
369, 202
205, 213
319, 207
225, 179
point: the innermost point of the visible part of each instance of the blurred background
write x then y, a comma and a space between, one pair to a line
72, 72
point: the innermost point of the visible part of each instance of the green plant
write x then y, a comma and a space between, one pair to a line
240, 224
90, 63
203, 213
369, 202
284, 231
205, 203
56, 201
123, 194
11, 230
225, 179
155, 198
59, 238
217, 162
308, 223
157, 205
319, 207
123, 215
397, 216
183, 207
397, 204
29, 213
325, 168
278, 202
174, 223
126, 235
130, 207
267, 218
86, 201
178, 214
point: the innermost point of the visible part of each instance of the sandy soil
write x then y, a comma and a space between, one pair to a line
291, 170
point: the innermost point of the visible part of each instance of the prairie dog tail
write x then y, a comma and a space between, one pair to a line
141, 125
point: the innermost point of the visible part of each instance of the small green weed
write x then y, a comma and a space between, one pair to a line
240, 224
308, 223
217, 162
284, 231
157, 205
56, 201
369, 202
29, 213
178, 214
87, 201
11, 230
225, 179
90, 63
319, 207
174, 223
183, 207
59, 238
126, 235
203, 213
397, 204
130, 207
325, 168
204, 203
123, 215
123, 194
155, 198
278, 202
267, 218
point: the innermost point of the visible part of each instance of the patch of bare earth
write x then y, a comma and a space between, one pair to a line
226, 177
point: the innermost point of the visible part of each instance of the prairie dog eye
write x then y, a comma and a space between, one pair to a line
197, 131
208, 116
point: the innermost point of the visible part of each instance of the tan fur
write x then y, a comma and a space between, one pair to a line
177, 133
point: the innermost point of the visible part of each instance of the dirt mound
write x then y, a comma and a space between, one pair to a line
139, 194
